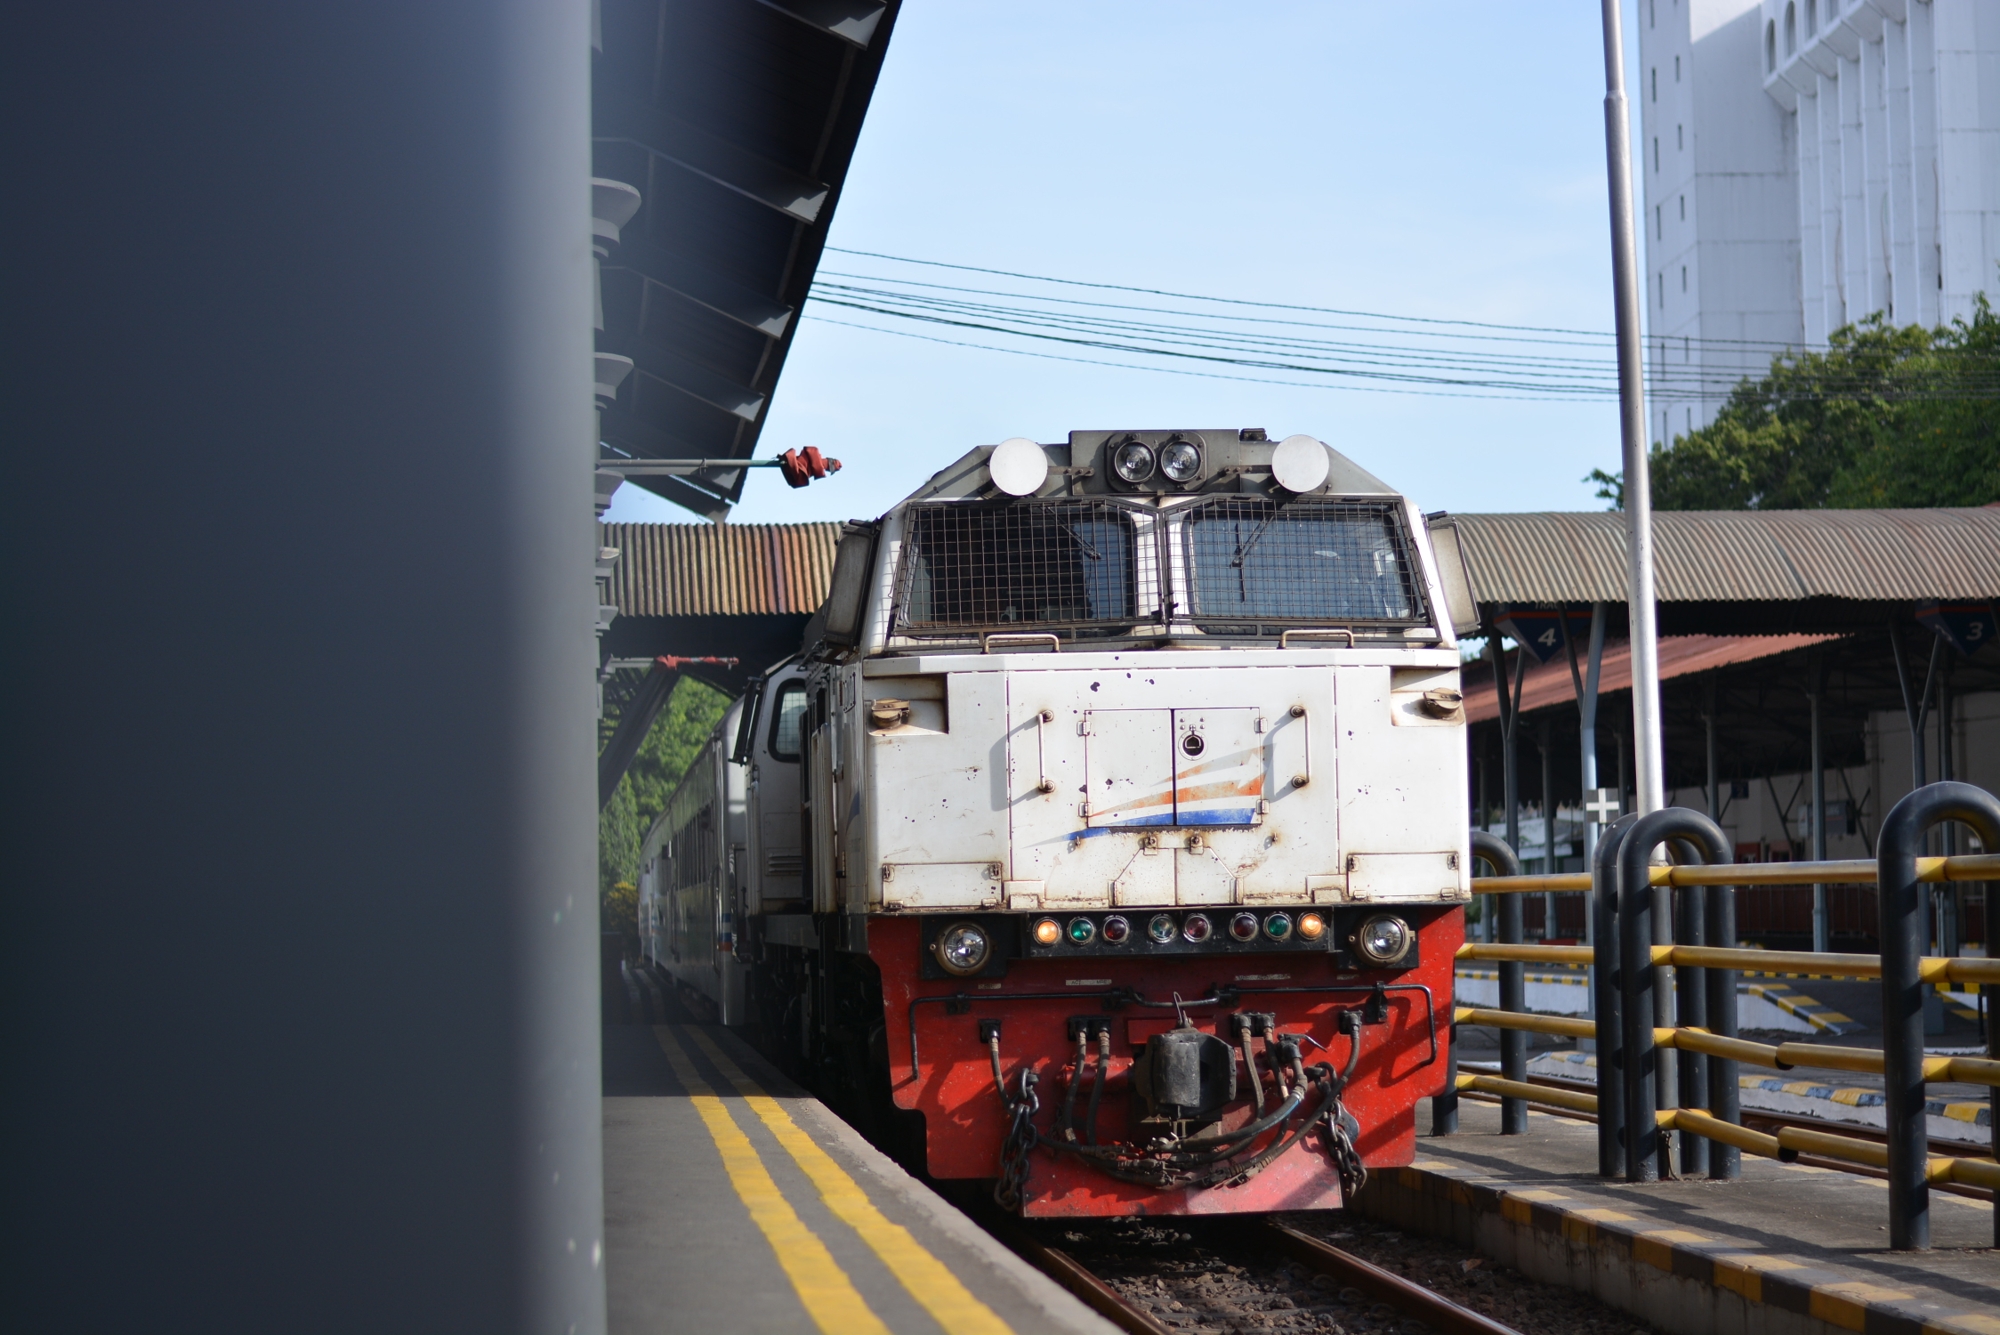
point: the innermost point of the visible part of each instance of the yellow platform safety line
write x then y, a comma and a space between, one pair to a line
828, 1295
928, 1279
1850, 871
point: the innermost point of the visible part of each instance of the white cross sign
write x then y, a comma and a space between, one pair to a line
1602, 804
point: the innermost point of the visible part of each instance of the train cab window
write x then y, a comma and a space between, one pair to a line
1325, 563
788, 714
1020, 564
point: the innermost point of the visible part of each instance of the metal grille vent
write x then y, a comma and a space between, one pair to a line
783, 864
1064, 564
1340, 563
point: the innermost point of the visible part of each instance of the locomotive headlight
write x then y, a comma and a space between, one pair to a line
1047, 932
1162, 928
962, 948
1311, 927
1133, 461
1180, 460
1382, 940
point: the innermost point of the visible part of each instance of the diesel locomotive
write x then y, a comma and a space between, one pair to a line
1106, 839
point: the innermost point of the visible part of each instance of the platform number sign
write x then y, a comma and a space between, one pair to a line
1969, 627
1543, 634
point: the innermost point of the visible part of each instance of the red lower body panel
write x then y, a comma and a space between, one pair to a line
948, 1077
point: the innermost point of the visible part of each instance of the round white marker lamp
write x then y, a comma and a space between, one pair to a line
1019, 466
1300, 463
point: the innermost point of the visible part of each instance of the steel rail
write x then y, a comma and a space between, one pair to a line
1433, 1309
1067, 1271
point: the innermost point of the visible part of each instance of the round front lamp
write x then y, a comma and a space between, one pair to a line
1382, 940
1180, 460
1018, 466
1197, 928
1300, 464
1311, 927
1278, 926
1243, 927
1161, 928
962, 948
1117, 931
1047, 932
1133, 461
1082, 931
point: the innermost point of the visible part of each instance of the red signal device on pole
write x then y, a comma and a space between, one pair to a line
803, 466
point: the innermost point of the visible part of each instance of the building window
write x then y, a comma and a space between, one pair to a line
1656, 83
1791, 31
1652, 13
1659, 228
1656, 154
1684, 278
1677, 69
1684, 208
1663, 291
1812, 19
1770, 48
1680, 139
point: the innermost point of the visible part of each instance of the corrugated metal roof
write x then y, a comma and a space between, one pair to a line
667, 570
1738, 555
1680, 655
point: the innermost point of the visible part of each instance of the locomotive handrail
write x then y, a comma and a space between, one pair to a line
1285, 636
987, 637
1845, 871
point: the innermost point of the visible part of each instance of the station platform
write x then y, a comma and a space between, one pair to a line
1787, 1250
736, 1202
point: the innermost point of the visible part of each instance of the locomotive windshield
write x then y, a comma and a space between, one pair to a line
1251, 559
1037, 564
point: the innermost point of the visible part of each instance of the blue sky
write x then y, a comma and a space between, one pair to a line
1441, 160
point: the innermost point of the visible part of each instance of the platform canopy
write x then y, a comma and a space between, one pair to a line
735, 121
1719, 572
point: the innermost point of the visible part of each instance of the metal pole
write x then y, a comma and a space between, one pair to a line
348, 939
1903, 933
1821, 929
1607, 999
1725, 1094
1513, 1043
1650, 776
1586, 712
1691, 1009
1543, 736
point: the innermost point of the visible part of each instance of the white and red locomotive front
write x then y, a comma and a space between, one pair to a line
1136, 768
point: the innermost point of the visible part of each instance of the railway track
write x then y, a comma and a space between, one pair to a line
1356, 1294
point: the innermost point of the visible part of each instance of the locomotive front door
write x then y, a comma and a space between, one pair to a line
1128, 767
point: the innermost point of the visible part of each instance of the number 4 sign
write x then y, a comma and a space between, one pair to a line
1543, 634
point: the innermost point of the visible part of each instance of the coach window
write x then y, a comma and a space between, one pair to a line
787, 719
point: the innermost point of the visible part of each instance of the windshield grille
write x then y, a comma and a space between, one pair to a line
1062, 564
1328, 563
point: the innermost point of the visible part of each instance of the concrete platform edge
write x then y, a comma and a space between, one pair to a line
1062, 1309
1707, 1287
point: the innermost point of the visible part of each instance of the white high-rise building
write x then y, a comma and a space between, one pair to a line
1806, 164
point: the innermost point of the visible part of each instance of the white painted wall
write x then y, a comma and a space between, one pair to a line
1867, 178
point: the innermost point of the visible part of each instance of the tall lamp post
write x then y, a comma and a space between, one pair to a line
1649, 777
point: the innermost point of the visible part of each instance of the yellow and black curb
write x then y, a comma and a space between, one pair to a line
1677, 1279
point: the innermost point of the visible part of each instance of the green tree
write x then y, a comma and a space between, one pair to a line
684, 723
1882, 417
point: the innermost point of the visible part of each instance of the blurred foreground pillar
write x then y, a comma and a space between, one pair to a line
297, 857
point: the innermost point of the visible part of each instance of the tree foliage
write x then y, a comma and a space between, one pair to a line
684, 723
1883, 417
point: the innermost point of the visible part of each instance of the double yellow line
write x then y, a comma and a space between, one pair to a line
827, 1293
